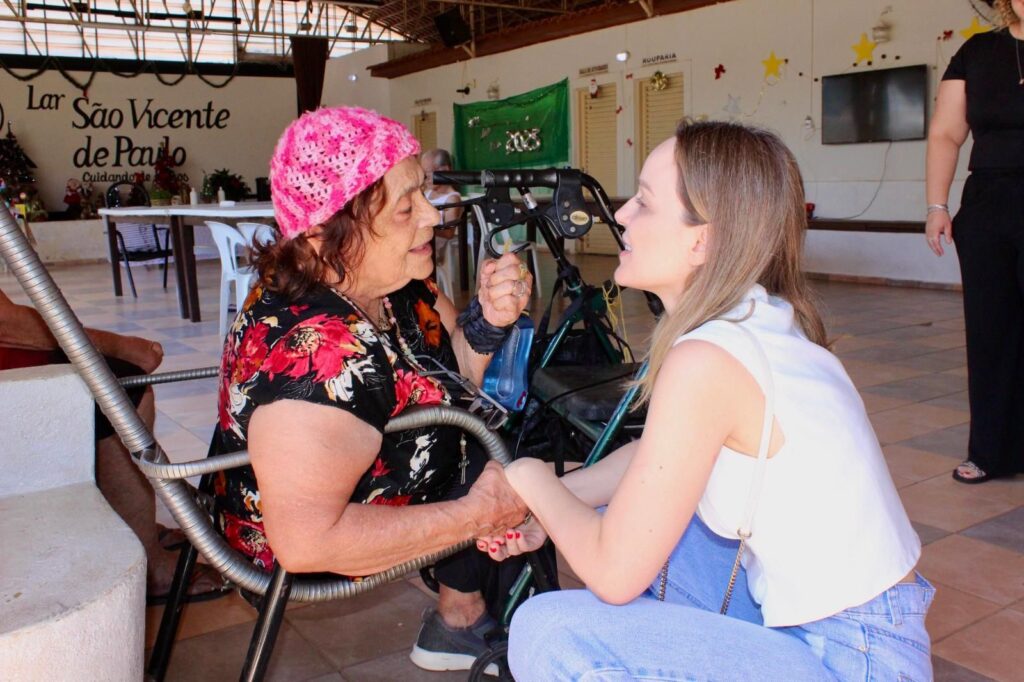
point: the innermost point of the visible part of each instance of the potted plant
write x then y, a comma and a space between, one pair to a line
160, 197
233, 184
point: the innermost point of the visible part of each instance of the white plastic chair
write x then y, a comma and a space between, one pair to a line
228, 241
257, 234
531, 247
448, 265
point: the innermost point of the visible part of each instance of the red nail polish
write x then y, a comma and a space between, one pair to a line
518, 535
510, 535
494, 549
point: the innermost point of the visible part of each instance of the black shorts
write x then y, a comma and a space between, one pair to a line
121, 369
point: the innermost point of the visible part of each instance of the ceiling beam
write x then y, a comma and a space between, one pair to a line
540, 31
501, 5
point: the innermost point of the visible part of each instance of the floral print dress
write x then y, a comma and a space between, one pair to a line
323, 350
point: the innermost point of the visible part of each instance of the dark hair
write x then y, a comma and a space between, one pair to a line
293, 267
440, 157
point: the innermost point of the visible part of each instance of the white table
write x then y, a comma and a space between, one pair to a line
182, 240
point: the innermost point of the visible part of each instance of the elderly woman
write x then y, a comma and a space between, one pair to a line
337, 338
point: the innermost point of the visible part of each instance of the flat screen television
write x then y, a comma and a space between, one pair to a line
874, 106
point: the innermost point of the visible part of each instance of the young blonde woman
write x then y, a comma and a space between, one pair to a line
753, 431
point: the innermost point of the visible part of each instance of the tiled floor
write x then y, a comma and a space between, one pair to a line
904, 348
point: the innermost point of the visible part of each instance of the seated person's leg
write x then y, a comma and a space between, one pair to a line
128, 492
454, 635
569, 634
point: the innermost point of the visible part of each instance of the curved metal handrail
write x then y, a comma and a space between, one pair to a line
179, 498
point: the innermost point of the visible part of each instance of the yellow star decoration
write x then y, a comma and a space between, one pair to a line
864, 49
974, 29
772, 66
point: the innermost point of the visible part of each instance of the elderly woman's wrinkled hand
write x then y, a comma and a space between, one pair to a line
497, 504
504, 289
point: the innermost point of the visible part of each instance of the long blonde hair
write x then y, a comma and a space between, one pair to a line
745, 184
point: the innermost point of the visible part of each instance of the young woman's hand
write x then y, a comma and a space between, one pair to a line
527, 537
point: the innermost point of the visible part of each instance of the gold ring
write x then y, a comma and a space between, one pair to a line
523, 271
519, 289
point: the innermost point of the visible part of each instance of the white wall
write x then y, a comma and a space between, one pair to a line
73, 584
372, 93
814, 35
259, 109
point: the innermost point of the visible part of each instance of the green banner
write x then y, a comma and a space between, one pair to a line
526, 131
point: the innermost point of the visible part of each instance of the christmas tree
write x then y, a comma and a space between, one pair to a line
17, 182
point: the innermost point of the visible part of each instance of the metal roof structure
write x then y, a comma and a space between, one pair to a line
237, 31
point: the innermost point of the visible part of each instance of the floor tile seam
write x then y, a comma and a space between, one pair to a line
1002, 606
979, 523
867, 389
998, 608
286, 619
320, 652
960, 631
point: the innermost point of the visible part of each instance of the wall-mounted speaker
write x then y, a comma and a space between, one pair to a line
453, 29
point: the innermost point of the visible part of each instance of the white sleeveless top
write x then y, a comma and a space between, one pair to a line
829, 531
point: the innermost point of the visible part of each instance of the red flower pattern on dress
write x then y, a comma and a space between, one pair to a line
412, 389
252, 351
429, 322
241, 361
249, 539
379, 468
318, 344
272, 347
396, 501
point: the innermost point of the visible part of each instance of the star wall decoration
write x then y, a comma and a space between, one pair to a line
772, 66
865, 49
974, 29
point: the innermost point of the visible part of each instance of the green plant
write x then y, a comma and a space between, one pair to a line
233, 184
159, 196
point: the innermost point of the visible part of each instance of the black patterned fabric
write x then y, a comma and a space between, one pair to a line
323, 349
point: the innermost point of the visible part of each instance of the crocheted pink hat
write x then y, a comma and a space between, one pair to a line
328, 156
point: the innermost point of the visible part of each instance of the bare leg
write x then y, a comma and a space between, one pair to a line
459, 609
128, 491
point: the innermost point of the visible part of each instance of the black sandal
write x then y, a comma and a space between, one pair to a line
978, 474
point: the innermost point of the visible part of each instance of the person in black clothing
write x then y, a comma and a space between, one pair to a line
982, 92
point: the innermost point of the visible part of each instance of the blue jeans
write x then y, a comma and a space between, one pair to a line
572, 635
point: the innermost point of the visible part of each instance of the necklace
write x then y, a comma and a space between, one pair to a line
1020, 74
402, 344
1016, 47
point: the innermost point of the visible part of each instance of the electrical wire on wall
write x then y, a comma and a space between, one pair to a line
878, 188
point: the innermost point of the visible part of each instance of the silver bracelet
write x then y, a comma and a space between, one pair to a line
932, 208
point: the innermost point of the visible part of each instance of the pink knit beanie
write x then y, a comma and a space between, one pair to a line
327, 157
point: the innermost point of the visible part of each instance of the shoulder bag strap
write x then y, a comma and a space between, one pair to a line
744, 531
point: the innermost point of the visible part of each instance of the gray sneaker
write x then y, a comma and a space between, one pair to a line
441, 647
